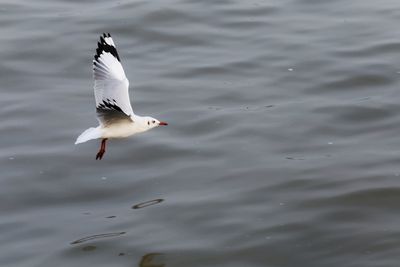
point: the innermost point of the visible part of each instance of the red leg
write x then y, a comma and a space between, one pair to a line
102, 150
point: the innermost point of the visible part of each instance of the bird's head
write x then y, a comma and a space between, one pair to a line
152, 122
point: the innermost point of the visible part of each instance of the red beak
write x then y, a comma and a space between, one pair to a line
162, 123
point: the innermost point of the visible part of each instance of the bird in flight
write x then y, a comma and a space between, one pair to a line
113, 107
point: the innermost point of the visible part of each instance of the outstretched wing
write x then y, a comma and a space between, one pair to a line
110, 83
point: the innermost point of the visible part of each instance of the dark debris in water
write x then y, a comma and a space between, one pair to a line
96, 237
147, 203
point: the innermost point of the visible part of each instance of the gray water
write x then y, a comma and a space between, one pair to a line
282, 148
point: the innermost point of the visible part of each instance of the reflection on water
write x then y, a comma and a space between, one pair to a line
96, 237
147, 203
89, 248
152, 260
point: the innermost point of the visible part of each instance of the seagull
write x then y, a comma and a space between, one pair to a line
113, 107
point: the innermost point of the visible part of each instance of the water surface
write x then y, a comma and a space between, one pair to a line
282, 147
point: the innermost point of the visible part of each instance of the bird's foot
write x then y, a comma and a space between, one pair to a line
100, 154
102, 150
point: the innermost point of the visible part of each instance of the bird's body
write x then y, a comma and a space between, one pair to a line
113, 108
121, 130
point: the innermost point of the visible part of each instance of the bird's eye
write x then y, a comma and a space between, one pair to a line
148, 123
153, 121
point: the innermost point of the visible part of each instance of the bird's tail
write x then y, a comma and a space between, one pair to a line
89, 134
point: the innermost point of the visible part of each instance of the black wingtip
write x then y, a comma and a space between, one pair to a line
102, 40
108, 105
102, 45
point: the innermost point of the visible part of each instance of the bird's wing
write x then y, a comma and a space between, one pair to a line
110, 83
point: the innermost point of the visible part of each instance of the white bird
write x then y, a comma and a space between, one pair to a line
113, 107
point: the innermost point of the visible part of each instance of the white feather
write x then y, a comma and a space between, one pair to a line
89, 134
